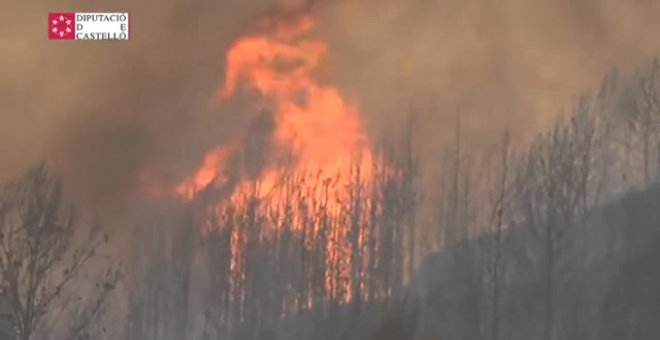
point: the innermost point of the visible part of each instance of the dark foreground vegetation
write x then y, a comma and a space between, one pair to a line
554, 241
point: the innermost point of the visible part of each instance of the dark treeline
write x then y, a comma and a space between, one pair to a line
254, 261
55, 279
565, 231
534, 241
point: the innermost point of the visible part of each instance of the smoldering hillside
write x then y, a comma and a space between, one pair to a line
102, 111
604, 280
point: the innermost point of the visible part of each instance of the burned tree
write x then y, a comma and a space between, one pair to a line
556, 195
500, 197
41, 262
644, 116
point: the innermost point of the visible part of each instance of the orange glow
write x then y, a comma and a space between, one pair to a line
313, 122
321, 132
209, 172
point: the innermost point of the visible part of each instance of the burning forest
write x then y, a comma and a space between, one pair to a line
305, 174
336, 170
304, 199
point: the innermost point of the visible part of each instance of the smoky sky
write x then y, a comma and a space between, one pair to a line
100, 112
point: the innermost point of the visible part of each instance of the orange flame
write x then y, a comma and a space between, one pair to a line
313, 123
209, 172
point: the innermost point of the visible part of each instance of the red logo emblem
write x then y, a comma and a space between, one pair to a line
61, 25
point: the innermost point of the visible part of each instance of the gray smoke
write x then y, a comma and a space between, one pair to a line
100, 112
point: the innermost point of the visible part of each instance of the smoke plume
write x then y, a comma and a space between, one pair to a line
103, 112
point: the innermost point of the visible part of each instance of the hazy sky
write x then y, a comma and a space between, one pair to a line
100, 111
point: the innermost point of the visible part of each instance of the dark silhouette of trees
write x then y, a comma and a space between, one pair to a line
44, 255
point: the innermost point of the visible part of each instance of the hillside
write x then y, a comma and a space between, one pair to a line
608, 287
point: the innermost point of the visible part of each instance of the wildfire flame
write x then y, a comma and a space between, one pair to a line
312, 121
313, 125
